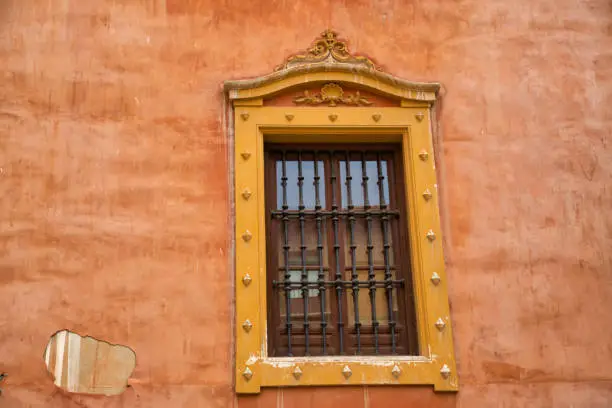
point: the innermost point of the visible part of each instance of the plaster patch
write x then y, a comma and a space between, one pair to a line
88, 366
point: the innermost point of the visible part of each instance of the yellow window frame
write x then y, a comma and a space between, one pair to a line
408, 123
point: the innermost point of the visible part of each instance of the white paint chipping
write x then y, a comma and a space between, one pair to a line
252, 359
288, 362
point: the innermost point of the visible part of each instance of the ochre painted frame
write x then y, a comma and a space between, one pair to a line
409, 123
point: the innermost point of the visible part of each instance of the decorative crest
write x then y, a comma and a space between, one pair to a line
328, 48
332, 94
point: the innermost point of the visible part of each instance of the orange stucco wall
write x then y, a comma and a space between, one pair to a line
114, 217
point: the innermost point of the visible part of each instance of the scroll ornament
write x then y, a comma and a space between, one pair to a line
331, 94
328, 49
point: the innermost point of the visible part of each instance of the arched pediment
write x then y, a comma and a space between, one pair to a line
328, 61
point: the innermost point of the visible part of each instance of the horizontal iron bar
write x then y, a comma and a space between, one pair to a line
314, 267
333, 283
328, 213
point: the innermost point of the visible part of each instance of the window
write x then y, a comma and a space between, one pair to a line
334, 250
339, 264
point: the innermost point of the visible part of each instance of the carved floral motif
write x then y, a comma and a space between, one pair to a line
328, 48
332, 94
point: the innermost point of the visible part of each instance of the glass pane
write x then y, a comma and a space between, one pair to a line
311, 261
291, 172
356, 182
365, 307
360, 237
373, 182
310, 240
296, 277
356, 190
308, 187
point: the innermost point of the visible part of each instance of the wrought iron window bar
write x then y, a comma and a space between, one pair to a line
332, 277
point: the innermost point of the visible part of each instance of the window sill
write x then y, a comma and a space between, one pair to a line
351, 370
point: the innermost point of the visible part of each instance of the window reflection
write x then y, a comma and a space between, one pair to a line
356, 183
308, 187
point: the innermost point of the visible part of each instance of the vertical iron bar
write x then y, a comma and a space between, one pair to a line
386, 246
353, 248
370, 247
287, 282
321, 280
333, 178
304, 280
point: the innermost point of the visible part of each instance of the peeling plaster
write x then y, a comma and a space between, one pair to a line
86, 365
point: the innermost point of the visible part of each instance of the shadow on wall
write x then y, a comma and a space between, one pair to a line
86, 365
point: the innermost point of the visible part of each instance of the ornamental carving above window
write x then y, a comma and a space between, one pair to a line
332, 95
328, 48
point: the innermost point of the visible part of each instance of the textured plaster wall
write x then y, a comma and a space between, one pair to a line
114, 214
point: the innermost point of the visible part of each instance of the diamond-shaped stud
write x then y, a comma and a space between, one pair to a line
423, 155
333, 117
346, 372
431, 236
244, 116
297, 373
419, 116
289, 117
247, 325
376, 117
445, 371
440, 324
247, 236
246, 279
245, 155
427, 195
435, 278
396, 372
247, 373
246, 194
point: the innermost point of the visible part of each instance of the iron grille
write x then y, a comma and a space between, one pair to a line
336, 229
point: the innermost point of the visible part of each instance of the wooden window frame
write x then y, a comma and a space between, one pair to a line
431, 302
